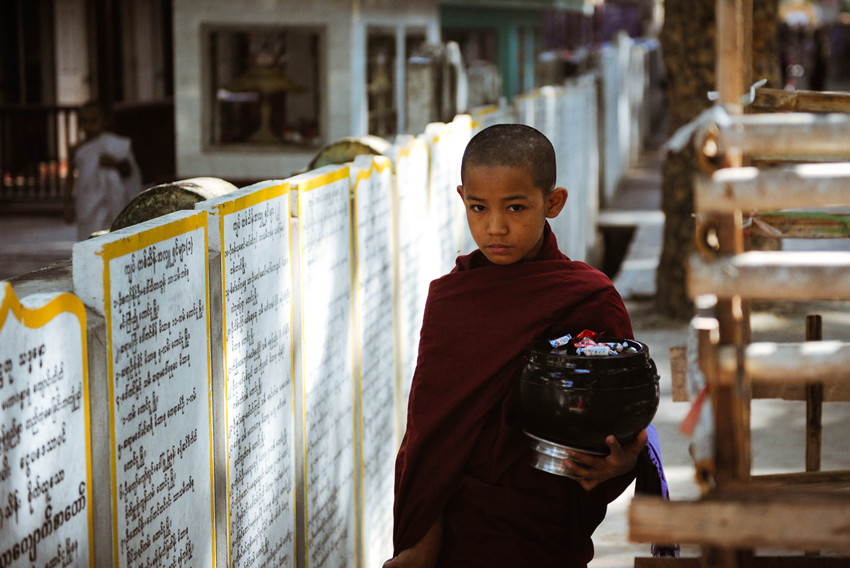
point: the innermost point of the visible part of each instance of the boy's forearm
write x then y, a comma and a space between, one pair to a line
614, 487
425, 553
432, 542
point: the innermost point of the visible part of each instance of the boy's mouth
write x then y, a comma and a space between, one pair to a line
498, 248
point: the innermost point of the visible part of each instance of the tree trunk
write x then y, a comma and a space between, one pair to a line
688, 44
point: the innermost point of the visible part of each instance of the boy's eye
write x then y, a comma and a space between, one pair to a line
477, 208
516, 207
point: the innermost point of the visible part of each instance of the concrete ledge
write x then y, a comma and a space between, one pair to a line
636, 277
628, 218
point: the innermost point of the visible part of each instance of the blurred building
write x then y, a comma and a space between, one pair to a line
253, 89
513, 34
57, 54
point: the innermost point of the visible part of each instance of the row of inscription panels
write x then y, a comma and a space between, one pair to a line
567, 116
288, 321
303, 389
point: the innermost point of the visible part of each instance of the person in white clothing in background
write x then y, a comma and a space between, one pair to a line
104, 175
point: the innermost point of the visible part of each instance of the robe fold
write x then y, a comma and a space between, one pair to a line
464, 455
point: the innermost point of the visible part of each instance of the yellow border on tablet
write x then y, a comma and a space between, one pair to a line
321, 180
35, 318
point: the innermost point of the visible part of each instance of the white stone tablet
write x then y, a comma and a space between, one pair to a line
416, 268
325, 291
372, 186
250, 227
446, 143
150, 283
45, 489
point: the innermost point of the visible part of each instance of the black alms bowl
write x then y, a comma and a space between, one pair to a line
574, 402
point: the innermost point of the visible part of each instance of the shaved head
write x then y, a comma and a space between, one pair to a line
516, 146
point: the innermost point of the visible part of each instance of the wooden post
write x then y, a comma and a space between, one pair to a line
731, 400
814, 402
814, 408
734, 33
734, 26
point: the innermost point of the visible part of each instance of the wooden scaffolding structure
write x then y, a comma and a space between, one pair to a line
781, 151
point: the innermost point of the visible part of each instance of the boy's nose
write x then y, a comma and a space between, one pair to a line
496, 225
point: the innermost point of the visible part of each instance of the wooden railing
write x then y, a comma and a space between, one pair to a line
34, 143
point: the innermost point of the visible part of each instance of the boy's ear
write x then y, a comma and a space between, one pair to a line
460, 191
555, 201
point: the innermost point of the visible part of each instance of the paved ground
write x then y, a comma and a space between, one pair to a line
33, 241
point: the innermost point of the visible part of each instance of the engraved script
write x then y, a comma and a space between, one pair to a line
375, 290
414, 269
328, 375
43, 482
160, 374
444, 200
257, 303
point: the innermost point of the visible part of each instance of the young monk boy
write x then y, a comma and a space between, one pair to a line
465, 492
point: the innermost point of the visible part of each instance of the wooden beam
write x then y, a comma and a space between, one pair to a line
837, 391
746, 518
755, 562
752, 189
790, 136
823, 479
780, 100
800, 225
773, 275
827, 362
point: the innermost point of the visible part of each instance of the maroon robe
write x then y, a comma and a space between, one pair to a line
464, 454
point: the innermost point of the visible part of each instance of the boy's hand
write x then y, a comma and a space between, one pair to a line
589, 470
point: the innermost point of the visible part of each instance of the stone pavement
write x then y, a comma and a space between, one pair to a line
28, 242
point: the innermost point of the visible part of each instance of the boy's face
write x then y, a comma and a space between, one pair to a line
506, 212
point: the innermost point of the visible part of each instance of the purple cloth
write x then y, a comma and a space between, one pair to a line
653, 481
